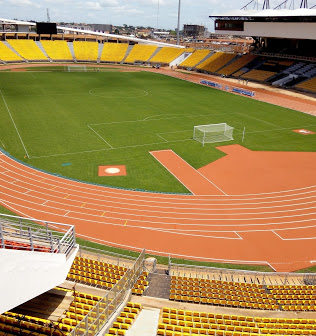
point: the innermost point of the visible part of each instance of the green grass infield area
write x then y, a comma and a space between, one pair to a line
71, 123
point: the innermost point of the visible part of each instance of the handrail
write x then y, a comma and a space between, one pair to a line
106, 307
36, 235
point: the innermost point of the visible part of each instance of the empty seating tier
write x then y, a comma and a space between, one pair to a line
28, 49
57, 50
178, 322
86, 51
6, 54
95, 273
140, 52
258, 75
236, 65
294, 297
166, 55
125, 320
309, 85
221, 293
216, 61
195, 58
113, 52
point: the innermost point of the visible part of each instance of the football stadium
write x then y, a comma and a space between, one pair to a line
152, 187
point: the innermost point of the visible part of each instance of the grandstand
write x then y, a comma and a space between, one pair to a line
86, 51
194, 59
57, 50
258, 75
140, 53
166, 55
309, 85
113, 52
28, 50
7, 55
236, 65
216, 62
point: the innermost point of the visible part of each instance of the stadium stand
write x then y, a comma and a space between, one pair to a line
221, 293
102, 274
309, 85
113, 52
236, 65
126, 319
179, 322
166, 55
57, 50
7, 55
216, 61
28, 50
141, 53
258, 75
86, 51
194, 59
293, 297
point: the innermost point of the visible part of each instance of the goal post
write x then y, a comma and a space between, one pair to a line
77, 68
213, 133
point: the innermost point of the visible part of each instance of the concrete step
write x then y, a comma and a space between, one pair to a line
159, 284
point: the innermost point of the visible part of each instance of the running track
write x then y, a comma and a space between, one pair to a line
278, 229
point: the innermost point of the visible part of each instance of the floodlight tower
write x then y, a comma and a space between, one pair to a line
178, 30
48, 17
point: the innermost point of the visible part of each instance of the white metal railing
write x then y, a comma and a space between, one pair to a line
106, 307
234, 275
36, 235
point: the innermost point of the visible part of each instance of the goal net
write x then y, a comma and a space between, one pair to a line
213, 133
77, 68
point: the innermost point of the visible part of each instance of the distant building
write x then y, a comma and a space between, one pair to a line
193, 30
104, 28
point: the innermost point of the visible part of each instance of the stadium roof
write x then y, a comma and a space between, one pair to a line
272, 13
90, 32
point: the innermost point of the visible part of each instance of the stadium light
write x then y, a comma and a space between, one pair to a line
178, 30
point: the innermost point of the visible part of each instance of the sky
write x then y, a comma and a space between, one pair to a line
118, 12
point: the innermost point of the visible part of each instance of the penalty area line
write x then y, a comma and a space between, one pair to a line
100, 136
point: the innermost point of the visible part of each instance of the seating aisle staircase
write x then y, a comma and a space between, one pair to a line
39, 44
159, 284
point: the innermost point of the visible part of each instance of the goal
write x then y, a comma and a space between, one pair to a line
76, 68
213, 133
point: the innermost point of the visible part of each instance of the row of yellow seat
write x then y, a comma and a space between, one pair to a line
173, 322
195, 58
216, 61
124, 322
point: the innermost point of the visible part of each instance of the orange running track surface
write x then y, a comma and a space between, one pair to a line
277, 228
186, 174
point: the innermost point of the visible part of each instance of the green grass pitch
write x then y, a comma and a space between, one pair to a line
89, 119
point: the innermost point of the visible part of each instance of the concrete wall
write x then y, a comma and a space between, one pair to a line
26, 274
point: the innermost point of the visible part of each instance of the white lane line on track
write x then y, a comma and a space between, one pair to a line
115, 192
60, 200
166, 225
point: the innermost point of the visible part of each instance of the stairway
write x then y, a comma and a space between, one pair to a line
71, 48
155, 52
40, 46
159, 284
129, 48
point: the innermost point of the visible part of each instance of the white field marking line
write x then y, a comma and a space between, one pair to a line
293, 239
122, 225
202, 175
195, 224
279, 129
174, 132
263, 121
100, 137
171, 172
2, 145
118, 97
176, 213
106, 149
107, 191
66, 213
140, 207
176, 117
32, 75
157, 134
7, 107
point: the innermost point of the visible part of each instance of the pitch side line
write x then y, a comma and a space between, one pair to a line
116, 194
7, 107
100, 136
